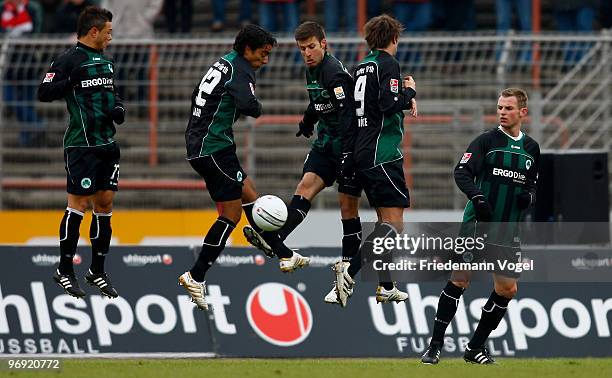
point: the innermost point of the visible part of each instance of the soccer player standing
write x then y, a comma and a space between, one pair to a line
381, 96
330, 91
83, 77
226, 91
494, 196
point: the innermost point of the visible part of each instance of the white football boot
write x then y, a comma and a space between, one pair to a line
344, 282
296, 261
196, 290
393, 295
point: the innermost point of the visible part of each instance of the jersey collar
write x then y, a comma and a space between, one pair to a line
85, 47
516, 139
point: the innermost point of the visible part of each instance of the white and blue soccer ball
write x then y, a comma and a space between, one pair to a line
269, 213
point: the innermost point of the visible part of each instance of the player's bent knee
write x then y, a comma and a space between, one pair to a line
462, 283
507, 291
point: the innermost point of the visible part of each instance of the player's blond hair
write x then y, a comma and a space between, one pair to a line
520, 94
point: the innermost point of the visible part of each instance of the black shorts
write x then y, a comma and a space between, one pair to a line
222, 173
384, 185
91, 169
498, 255
327, 167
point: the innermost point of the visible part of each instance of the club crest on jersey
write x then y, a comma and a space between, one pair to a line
239, 176
49, 77
527, 164
339, 92
252, 88
394, 83
465, 158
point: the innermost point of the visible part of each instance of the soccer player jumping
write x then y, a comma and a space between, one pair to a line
83, 77
226, 91
331, 107
381, 96
494, 196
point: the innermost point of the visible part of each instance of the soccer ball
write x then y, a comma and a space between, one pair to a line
269, 213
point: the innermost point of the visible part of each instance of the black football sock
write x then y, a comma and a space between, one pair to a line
351, 239
100, 233
69, 238
271, 237
355, 265
381, 231
296, 213
447, 307
214, 242
492, 313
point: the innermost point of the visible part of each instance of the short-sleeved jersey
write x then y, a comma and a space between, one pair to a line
226, 91
380, 100
90, 101
330, 90
499, 167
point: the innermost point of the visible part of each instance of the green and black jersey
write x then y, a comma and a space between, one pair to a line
83, 77
380, 100
226, 91
500, 167
330, 90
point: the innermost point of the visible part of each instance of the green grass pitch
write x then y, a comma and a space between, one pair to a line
315, 368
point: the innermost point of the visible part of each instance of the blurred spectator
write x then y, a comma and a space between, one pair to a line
504, 16
244, 16
415, 15
575, 15
453, 15
133, 18
503, 9
271, 10
67, 15
337, 10
185, 12
19, 18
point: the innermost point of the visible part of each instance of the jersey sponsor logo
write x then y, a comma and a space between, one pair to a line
95, 82
49, 77
323, 107
394, 84
527, 164
508, 173
252, 88
86, 183
279, 314
466, 157
339, 92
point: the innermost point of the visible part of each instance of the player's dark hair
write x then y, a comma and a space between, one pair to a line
309, 29
253, 36
381, 30
520, 94
92, 17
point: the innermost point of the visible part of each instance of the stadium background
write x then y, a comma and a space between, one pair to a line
161, 202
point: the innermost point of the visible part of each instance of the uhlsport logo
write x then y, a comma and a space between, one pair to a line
279, 314
136, 260
43, 259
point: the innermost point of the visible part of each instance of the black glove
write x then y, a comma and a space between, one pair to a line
524, 200
347, 168
118, 115
483, 210
305, 130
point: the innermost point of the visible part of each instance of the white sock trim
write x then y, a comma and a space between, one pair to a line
71, 210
